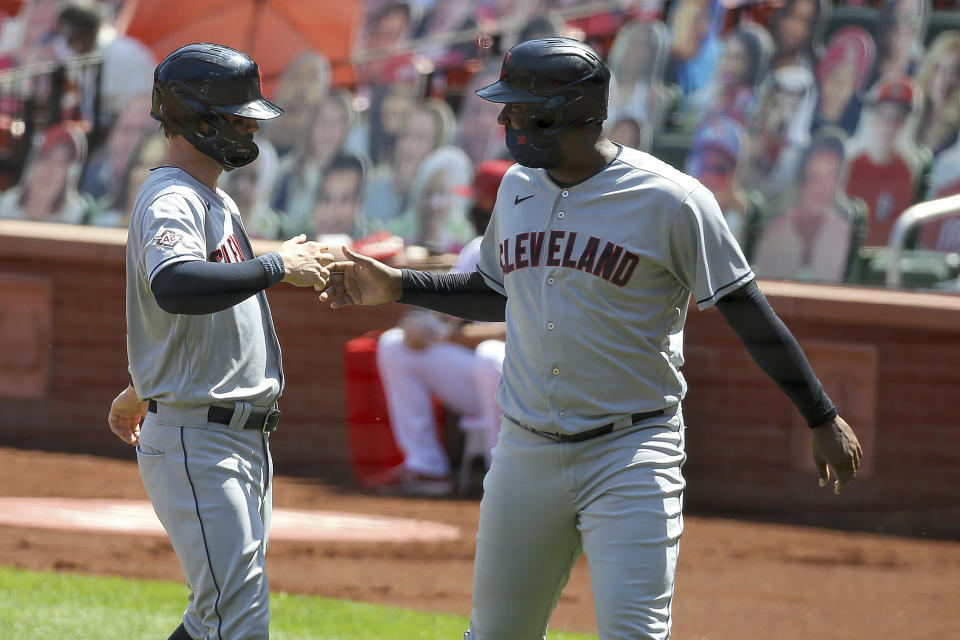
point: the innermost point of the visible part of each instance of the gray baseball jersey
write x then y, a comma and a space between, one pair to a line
598, 278
194, 360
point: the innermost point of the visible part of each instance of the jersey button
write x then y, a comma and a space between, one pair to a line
560, 215
563, 414
550, 280
550, 326
565, 193
556, 371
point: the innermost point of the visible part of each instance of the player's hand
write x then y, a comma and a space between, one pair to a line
361, 280
126, 414
836, 453
305, 262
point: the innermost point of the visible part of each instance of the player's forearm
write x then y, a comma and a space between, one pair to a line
483, 331
472, 334
464, 295
776, 351
198, 287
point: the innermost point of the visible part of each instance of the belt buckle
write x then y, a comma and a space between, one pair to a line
271, 421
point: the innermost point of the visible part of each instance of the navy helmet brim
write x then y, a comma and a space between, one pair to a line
502, 92
261, 109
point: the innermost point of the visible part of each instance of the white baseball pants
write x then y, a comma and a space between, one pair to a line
463, 379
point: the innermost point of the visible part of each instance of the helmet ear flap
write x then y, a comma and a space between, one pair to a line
548, 122
170, 109
558, 112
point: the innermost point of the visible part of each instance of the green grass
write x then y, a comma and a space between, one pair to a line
56, 606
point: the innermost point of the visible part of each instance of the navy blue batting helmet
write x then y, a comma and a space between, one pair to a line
564, 78
196, 85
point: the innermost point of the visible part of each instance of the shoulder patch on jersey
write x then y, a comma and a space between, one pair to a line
168, 239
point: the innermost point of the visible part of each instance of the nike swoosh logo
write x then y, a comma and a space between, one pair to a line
518, 199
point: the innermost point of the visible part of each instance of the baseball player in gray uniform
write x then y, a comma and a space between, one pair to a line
205, 366
591, 256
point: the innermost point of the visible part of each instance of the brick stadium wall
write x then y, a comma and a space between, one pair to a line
63, 346
889, 359
890, 362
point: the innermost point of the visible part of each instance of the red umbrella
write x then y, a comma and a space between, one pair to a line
273, 32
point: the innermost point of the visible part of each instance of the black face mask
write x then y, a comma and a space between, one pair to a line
214, 136
226, 145
532, 150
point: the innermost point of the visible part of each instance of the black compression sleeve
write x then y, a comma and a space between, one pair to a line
774, 348
197, 287
464, 295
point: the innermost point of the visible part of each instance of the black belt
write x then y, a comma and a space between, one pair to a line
580, 436
265, 422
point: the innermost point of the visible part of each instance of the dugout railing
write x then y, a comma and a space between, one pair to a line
923, 212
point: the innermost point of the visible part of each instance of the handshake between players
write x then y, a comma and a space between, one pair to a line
305, 262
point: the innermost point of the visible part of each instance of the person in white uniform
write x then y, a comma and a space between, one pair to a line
591, 256
204, 361
426, 357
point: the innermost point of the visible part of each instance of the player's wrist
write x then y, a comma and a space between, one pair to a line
396, 283
275, 267
827, 420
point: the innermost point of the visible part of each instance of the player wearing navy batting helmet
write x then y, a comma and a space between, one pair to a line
563, 82
591, 257
204, 360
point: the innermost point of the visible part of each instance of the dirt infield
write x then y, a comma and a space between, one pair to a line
736, 579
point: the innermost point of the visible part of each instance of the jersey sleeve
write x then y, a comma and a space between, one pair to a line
489, 262
170, 230
704, 255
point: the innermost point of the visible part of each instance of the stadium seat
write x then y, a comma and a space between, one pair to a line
939, 22
859, 215
754, 223
920, 268
845, 15
672, 146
